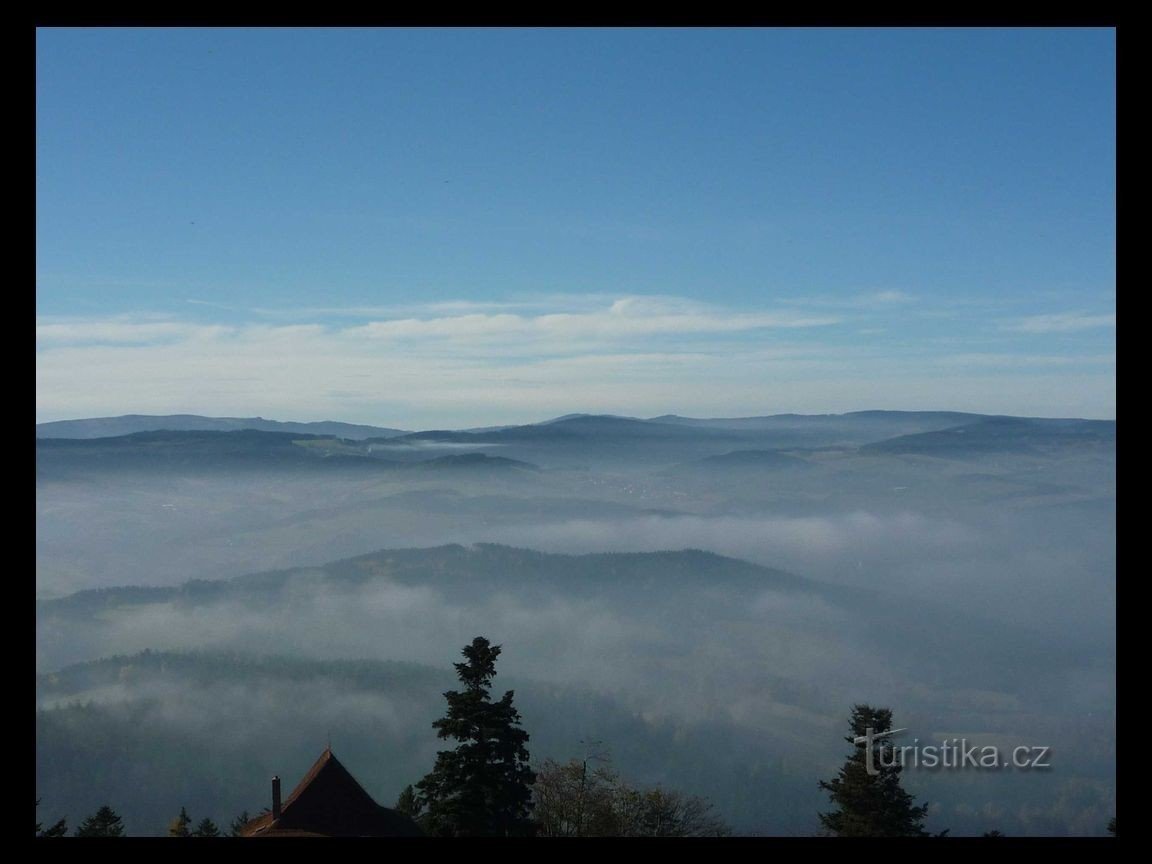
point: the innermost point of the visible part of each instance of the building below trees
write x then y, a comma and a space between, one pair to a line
328, 802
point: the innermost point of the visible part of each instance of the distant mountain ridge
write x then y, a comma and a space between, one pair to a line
127, 424
861, 421
570, 442
1001, 435
945, 418
242, 449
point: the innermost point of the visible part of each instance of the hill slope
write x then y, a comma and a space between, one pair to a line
127, 424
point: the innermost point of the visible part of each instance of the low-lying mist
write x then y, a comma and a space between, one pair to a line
973, 594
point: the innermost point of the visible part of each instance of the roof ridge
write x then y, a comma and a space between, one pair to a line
319, 765
329, 801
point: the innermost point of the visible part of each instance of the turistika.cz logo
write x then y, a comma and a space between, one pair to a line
955, 753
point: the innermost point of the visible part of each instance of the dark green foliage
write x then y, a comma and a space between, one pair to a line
993, 833
58, 829
408, 804
104, 823
1112, 826
179, 827
238, 823
206, 828
871, 805
483, 787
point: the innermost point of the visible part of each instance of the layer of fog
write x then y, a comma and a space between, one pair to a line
210, 745
1018, 568
784, 665
1026, 554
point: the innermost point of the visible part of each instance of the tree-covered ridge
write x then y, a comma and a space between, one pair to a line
457, 566
157, 731
175, 453
128, 424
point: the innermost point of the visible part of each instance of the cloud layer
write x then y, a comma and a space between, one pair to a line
467, 364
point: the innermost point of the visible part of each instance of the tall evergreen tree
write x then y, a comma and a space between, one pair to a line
484, 786
103, 823
871, 804
180, 826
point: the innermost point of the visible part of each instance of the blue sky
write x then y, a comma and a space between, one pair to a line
459, 227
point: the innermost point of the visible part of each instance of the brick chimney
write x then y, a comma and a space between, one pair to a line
275, 798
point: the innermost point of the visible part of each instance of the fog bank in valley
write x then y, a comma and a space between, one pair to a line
967, 582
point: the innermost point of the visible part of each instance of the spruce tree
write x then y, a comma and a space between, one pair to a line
206, 828
104, 823
484, 786
871, 804
58, 829
179, 827
238, 824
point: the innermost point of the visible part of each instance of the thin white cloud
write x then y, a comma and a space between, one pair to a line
888, 297
1025, 360
1064, 322
540, 304
635, 356
629, 316
868, 300
111, 330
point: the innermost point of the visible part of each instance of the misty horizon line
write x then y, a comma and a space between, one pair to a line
573, 415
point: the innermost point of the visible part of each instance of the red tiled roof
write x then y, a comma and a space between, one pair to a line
329, 802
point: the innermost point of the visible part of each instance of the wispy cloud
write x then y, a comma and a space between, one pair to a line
887, 297
458, 366
866, 300
116, 330
630, 316
1064, 322
625, 317
536, 304
1025, 360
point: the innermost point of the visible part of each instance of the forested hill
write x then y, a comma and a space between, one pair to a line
155, 731
207, 452
482, 568
127, 424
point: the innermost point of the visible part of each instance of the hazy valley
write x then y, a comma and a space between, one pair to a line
706, 597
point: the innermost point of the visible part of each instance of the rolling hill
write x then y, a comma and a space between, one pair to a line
127, 424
